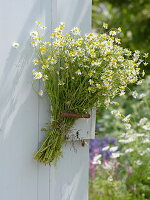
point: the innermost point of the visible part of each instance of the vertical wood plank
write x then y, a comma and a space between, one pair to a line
69, 179
22, 113
18, 102
44, 115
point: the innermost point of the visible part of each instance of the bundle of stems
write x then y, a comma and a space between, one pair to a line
78, 72
57, 131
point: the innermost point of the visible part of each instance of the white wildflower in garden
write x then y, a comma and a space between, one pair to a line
127, 126
140, 134
110, 178
127, 118
116, 113
129, 150
113, 149
96, 159
108, 165
146, 140
138, 162
142, 121
115, 155
146, 127
148, 150
140, 82
105, 148
142, 95
126, 141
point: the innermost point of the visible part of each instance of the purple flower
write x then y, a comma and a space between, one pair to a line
113, 140
129, 170
133, 188
107, 139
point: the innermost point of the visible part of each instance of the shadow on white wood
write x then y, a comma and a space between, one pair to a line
23, 113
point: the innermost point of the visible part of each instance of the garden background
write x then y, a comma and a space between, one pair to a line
119, 156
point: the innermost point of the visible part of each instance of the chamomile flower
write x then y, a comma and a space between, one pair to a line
62, 23
43, 27
112, 33
119, 30
139, 82
35, 62
15, 45
37, 75
53, 61
145, 55
91, 81
127, 126
75, 31
45, 77
105, 25
127, 118
122, 93
145, 63
107, 102
118, 41
78, 72
34, 34
98, 85
38, 22
135, 94
143, 73
33, 72
40, 93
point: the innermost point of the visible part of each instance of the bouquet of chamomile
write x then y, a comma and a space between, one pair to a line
78, 72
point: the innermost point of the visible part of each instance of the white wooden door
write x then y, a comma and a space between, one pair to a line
23, 113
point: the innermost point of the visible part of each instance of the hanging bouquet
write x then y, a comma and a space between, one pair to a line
78, 73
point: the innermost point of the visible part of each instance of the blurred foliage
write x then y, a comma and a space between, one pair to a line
128, 173
138, 107
134, 19
131, 15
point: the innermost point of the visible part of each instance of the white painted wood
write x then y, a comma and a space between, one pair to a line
23, 113
84, 128
69, 180
18, 102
